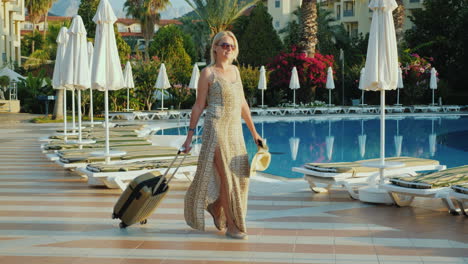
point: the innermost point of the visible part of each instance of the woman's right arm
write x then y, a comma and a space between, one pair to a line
198, 107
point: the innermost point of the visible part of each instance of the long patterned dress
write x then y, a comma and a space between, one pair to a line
223, 129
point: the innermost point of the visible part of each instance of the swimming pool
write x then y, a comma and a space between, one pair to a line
332, 139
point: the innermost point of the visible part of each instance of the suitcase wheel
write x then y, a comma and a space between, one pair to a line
122, 225
144, 222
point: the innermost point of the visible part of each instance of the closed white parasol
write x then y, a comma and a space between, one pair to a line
294, 83
107, 71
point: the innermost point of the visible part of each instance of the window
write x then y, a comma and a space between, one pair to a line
137, 28
277, 24
414, 1
348, 9
338, 12
277, 3
121, 28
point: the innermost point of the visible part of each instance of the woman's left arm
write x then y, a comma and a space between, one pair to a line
248, 121
245, 112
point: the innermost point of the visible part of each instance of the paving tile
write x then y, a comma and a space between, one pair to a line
48, 215
436, 259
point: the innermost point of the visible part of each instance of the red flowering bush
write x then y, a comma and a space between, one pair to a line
416, 72
312, 74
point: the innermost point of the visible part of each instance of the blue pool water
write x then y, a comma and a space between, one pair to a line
293, 143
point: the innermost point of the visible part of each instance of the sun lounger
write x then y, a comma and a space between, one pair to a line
101, 140
88, 135
115, 175
351, 174
329, 109
425, 108
273, 111
460, 194
87, 151
54, 147
122, 115
75, 161
158, 115
116, 127
432, 185
395, 109
451, 108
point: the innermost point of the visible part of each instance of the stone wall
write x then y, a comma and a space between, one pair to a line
12, 106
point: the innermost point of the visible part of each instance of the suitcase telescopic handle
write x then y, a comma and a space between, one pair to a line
169, 167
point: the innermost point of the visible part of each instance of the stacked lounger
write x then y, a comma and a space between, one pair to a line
433, 185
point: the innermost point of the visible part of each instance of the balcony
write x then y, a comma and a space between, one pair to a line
348, 13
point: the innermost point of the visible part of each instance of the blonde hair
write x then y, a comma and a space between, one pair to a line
215, 42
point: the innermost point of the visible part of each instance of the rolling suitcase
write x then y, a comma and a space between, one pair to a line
143, 195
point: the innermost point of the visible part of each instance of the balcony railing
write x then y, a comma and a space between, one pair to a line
348, 13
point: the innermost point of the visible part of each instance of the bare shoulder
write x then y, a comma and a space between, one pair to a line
207, 71
236, 70
206, 75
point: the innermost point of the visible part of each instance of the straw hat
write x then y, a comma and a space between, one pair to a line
261, 160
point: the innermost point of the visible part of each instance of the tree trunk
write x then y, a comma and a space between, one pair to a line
45, 26
148, 33
147, 42
33, 43
58, 107
399, 20
149, 104
308, 38
114, 102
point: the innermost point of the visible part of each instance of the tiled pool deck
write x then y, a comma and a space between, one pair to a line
49, 215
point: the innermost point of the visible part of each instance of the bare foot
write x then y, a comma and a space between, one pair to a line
216, 215
236, 234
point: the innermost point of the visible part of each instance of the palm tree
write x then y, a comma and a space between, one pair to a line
330, 37
147, 12
399, 20
34, 12
308, 36
219, 14
47, 5
37, 9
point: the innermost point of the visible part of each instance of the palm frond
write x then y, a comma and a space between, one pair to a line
219, 14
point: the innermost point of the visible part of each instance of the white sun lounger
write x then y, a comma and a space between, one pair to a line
119, 179
138, 131
352, 174
130, 156
460, 194
432, 185
395, 109
425, 108
451, 108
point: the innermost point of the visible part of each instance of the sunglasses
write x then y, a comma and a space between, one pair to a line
225, 46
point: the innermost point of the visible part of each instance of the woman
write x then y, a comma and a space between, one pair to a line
221, 182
